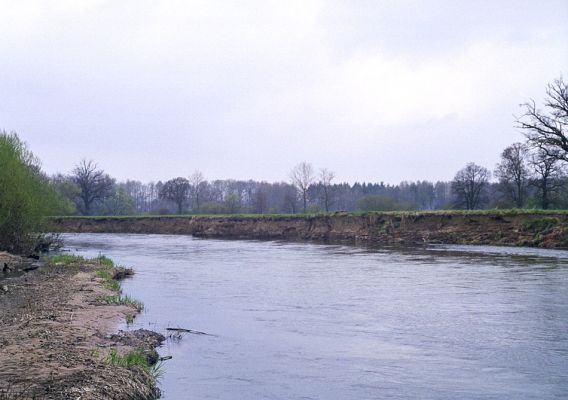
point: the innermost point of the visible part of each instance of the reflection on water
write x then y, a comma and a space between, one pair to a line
305, 321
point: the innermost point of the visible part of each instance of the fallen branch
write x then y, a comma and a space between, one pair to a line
188, 331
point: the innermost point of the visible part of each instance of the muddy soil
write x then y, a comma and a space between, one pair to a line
56, 335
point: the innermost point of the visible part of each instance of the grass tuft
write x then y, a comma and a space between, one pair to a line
103, 260
65, 259
108, 280
130, 318
136, 357
74, 258
122, 300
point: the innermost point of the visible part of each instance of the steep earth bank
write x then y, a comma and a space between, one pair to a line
544, 229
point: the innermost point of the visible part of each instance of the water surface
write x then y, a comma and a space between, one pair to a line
307, 321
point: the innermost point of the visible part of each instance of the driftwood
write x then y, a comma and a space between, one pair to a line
188, 331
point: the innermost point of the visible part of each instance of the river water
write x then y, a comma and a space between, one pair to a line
310, 321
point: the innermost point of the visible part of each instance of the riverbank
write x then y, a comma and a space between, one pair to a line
547, 229
58, 336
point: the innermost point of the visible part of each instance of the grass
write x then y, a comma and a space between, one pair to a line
103, 260
108, 281
65, 259
73, 259
136, 357
122, 300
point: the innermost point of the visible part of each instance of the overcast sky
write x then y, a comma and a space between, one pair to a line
373, 90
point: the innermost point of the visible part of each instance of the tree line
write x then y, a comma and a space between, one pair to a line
530, 174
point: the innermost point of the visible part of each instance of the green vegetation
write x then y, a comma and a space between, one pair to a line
136, 357
109, 274
130, 318
539, 225
26, 196
109, 281
103, 260
66, 259
73, 258
122, 300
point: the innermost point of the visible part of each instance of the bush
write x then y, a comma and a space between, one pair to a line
26, 196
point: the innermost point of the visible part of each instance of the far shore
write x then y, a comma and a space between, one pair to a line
532, 228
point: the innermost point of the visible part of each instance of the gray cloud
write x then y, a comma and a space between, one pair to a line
373, 90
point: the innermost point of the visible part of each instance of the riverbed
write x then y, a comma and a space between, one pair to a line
311, 321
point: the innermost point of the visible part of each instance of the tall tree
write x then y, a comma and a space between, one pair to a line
547, 129
513, 173
468, 185
302, 176
326, 176
94, 185
547, 171
25, 196
196, 181
176, 190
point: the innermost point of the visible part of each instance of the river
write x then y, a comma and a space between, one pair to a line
312, 321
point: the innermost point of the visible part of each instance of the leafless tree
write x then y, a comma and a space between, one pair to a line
468, 184
513, 173
326, 176
548, 171
176, 190
94, 184
196, 181
548, 129
260, 199
302, 176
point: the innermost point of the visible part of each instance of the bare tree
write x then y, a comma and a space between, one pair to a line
547, 129
196, 181
468, 184
548, 171
94, 184
176, 190
302, 176
326, 176
513, 173
260, 199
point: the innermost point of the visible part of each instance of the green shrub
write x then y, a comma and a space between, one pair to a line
26, 197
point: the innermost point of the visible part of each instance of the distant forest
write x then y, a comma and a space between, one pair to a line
236, 197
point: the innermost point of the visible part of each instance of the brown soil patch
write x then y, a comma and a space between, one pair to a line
55, 339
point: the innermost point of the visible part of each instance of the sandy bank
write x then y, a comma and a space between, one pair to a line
55, 338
